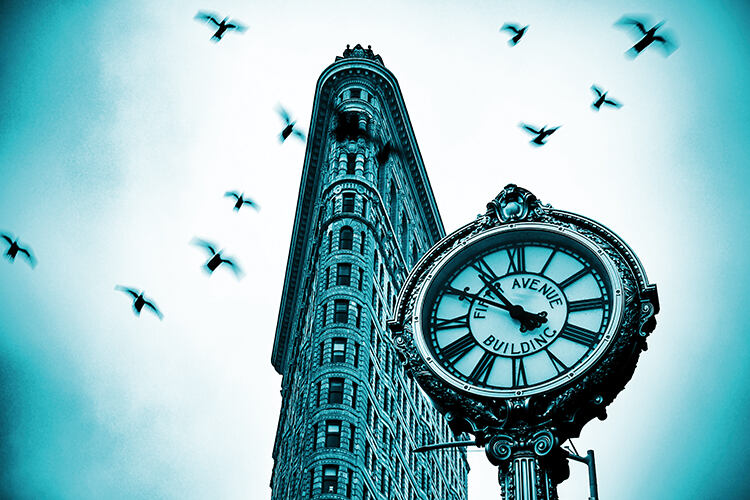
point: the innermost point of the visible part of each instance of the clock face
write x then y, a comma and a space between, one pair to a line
518, 310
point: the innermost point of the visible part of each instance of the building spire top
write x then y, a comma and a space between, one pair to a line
361, 53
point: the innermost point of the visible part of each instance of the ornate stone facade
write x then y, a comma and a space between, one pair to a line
350, 417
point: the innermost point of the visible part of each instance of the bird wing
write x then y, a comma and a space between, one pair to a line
596, 90
7, 238
251, 203
232, 193
153, 308
28, 255
510, 27
666, 43
551, 131
205, 244
236, 26
209, 18
235, 267
284, 114
612, 102
125, 289
631, 21
530, 129
298, 134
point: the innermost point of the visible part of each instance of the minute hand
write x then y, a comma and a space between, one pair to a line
466, 293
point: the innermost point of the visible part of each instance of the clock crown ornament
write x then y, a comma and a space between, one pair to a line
522, 326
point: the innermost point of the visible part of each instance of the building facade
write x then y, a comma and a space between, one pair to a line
350, 418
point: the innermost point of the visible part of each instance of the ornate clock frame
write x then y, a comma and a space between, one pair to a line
522, 435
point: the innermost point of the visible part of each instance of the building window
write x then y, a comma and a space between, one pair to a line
322, 350
312, 480
352, 437
330, 241
328, 276
356, 93
375, 264
404, 234
330, 479
317, 398
341, 311
338, 351
336, 390
362, 241
356, 355
350, 163
347, 204
364, 208
346, 235
343, 274
325, 314
359, 316
349, 477
414, 253
359, 281
354, 395
315, 437
333, 433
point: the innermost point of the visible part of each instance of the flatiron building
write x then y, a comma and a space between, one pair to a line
350, 417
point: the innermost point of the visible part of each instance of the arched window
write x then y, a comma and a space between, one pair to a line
330, 240
351, 161
414, 253
362, 241
346, 236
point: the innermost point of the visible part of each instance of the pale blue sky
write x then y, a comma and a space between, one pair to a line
122, 125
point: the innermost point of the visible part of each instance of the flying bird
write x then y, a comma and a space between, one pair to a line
241, 200
516, 30
288, 126
601, 98
222, 26
647, 36
384, 152
139, 301
14, 249
215, 259
347, 126
541, 134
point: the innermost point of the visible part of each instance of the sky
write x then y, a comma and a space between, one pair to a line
122, 125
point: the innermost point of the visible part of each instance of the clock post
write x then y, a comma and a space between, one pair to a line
522, 326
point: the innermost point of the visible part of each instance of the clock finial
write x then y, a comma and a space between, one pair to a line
513, 204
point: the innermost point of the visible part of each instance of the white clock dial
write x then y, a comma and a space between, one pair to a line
518, 311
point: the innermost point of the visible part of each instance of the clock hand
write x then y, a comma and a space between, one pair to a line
462, 294
528, 320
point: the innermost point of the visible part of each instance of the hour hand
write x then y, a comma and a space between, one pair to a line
530, 321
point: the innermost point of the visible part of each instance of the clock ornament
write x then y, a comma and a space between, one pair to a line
522, 326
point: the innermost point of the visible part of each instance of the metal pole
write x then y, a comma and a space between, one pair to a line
591, 463
437, 446
593, 490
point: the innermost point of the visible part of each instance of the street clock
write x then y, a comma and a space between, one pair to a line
522, 326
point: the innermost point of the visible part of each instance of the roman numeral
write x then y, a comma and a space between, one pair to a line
572, 279
559, 365
445, 323
458, 348
549, 259
579, 335
585, 305
519, 373
481, 372
484, 269
517, 258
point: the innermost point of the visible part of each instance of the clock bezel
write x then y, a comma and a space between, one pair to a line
579, 369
